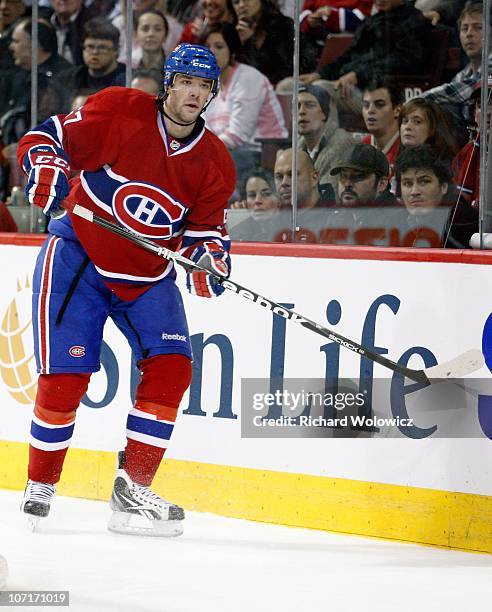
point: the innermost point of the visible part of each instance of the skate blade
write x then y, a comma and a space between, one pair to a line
131, 524
33, 523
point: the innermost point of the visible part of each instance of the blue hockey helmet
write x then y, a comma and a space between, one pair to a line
193, 60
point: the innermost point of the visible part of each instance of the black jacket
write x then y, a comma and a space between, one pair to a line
275, 56
395, 42
15, 97
78, 77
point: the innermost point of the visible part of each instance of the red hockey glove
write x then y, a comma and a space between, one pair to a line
48, 173
213, 257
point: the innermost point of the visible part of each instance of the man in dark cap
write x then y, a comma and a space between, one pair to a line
319, 133
363, 178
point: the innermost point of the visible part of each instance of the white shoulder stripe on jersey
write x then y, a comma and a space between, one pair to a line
58, 128
40, 133
92, 196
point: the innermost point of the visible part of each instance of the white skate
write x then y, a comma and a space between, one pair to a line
139, 511
37, 501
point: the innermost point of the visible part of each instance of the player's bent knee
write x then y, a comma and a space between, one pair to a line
165, 378
59, 395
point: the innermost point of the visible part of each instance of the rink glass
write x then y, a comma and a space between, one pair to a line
366, 225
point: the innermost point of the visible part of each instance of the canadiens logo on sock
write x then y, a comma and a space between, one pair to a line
76, 351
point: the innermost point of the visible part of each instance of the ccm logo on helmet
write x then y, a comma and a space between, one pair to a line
76, 351
147, 210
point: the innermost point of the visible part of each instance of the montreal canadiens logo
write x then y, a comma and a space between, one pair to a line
147, 210
76, 351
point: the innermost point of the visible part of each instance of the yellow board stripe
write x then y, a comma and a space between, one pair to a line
426, 516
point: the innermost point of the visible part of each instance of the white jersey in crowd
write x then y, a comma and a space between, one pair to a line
246, 108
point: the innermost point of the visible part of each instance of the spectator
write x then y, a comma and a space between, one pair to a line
381, 107
466, 165
319, 18
267, 39
394, 41
308, 190
363, 178
68, 19
424, 179
455, 97
246, 107
319, 133
141, 6
212, 11
100, 68
15, 84
151, 33
444, 11
11, 11
263, 204
423, 122
147, 80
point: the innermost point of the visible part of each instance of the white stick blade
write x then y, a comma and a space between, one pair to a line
460, 366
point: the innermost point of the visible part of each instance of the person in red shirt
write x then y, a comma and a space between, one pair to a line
322, 17
382, 100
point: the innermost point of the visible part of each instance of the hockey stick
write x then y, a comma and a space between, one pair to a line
460, 366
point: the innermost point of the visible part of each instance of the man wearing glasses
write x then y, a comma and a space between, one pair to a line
100, 68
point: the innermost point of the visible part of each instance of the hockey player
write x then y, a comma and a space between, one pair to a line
150, 165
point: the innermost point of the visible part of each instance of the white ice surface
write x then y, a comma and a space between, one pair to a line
221, 565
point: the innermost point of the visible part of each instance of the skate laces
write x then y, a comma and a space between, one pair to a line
149, 496
40, 492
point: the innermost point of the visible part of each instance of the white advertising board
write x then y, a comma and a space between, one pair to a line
405, 308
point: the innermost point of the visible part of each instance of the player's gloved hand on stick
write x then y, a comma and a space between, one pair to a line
212, 256
48, 173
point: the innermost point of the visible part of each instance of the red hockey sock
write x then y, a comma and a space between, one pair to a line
45, 466
165, 378
57, 399
142, 461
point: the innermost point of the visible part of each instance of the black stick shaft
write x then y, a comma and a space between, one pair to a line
286, 313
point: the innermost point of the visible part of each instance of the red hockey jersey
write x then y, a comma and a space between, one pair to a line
133, 173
